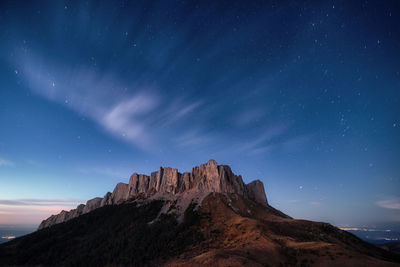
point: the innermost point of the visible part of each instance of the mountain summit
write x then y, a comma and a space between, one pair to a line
169, 184
205, 217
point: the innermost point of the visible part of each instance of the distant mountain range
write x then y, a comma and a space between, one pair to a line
205, 217
373, 235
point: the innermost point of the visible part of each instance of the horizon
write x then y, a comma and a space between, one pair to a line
302, 96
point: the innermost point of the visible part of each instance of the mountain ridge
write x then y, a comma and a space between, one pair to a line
168, 183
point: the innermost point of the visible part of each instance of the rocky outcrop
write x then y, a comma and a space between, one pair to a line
92, 204
107, 199
256, 192
168, 182
119, 194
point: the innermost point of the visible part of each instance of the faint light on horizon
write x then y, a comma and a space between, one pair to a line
8, 237
363, 229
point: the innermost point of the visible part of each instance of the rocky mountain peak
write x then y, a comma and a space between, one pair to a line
168, 183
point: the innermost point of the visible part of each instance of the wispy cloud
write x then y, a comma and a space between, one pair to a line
40, 202
105, 171
263, 142
296, 143
248, 116
6, 163
34, 163
133, 112
124, 119
389, 203
193, 138
316, 203
33, 210
176, 110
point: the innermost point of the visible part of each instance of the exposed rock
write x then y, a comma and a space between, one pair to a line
138, 183
64, 216
92, 204
256, 192
107, 200
76, 212
120, 193
169, 181
179, 189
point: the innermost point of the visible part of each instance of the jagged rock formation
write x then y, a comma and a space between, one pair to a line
168, 183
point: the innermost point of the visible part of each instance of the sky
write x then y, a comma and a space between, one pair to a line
303, 95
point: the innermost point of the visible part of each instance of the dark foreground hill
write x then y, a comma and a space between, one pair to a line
121, 235
391, 246
205, 217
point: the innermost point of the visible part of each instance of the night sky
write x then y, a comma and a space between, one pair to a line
303, 95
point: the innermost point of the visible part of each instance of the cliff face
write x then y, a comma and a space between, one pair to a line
168, 182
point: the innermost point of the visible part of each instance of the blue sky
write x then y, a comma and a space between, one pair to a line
303, 96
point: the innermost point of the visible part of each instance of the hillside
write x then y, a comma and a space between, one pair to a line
224, 230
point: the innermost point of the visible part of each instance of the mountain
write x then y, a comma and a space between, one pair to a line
206, 217
168, 184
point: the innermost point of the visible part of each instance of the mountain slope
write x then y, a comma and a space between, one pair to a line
121, 235
227, 229
239, 232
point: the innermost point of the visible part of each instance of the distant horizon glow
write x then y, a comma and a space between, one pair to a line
33, 211
303, 96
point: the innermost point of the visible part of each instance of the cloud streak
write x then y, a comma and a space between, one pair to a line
123, 120
263, 143
6, 163
40, 202
390, 203
33, 210
130, 111
249, 116
111, 172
